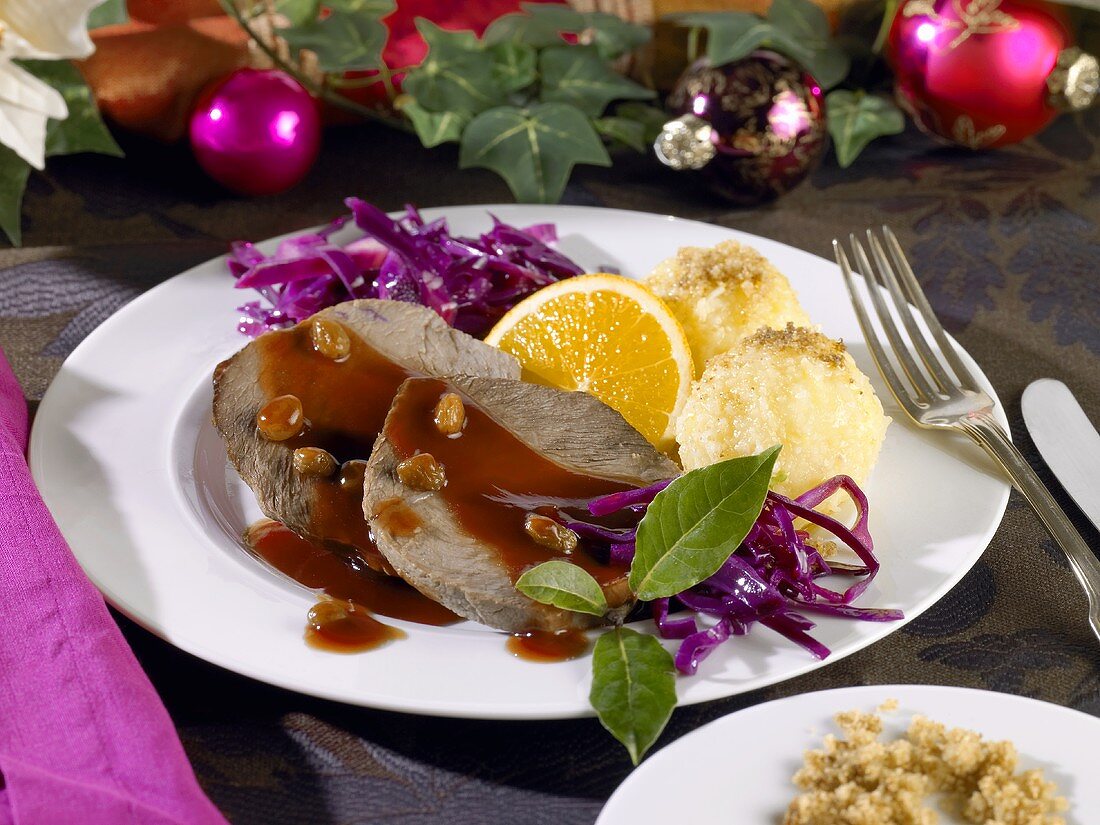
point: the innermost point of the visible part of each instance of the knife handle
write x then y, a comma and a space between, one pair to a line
987, 432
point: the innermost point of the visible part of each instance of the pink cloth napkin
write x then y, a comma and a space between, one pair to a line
83, 735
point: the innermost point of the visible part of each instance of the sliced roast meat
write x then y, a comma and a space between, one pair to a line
525, 453
299, 409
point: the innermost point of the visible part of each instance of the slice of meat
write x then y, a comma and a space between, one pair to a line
525, 449
344, 366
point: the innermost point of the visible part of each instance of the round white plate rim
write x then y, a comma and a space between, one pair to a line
562, 709
661, 764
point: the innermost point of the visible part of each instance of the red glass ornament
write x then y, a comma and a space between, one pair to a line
754, 128
256, 132
975, 72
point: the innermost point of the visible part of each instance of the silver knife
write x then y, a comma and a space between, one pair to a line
1067, 440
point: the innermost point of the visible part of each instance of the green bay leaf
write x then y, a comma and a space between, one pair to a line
696, 523
857, 118
13, 180
565, 585
534, 148
343, 41
578, 75
633, 688
457, 75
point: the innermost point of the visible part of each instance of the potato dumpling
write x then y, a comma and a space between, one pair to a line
722, 294
794, 387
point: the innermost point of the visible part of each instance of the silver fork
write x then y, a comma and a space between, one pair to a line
944, 394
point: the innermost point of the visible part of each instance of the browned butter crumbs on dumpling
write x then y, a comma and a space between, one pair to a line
857, 779
791, 386
723, 293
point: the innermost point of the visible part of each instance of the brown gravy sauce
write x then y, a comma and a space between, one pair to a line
542, 646
346, 627
494, 480
321, 569
344, 402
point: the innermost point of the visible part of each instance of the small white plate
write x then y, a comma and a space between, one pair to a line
126, 458
738, 769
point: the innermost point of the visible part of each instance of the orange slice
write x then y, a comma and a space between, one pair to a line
609, 336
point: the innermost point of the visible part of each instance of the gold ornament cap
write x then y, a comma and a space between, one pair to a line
1074, 82
685, 143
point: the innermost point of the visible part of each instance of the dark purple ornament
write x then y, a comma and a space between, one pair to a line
753, 128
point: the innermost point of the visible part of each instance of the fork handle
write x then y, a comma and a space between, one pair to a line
985, 430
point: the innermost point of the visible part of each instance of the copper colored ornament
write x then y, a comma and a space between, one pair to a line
752, 129
983, 73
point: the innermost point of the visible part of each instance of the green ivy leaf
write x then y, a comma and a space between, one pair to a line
806, 26
791, 29
13, 180
108, 14
652, 118
857, 118
539, 25
578, 75
730, 35
434, 128
456, 76
534, 149
633, 688
513, 65
343, 41
83, 130
696, 523
622, 130
298, 12
565, 585
612, 36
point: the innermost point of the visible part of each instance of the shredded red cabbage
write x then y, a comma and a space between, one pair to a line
470, 282
772, 578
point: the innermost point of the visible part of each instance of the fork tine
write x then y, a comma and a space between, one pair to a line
935, 367
920, 300
924, 391
878, 354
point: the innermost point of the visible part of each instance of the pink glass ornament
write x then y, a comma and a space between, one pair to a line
983, 74
256, 132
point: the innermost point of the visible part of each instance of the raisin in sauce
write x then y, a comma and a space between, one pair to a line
344, 402
494, 480
340, 577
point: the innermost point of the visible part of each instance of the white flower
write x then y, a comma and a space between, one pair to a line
41, 30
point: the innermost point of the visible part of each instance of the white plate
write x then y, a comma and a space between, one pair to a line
738, 769
136, 477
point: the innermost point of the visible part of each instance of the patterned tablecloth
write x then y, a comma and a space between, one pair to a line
1006, 244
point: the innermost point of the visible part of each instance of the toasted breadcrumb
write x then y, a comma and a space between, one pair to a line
859, 780
794, 387
722, 294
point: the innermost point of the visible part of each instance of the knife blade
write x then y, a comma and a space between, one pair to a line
1067, 440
